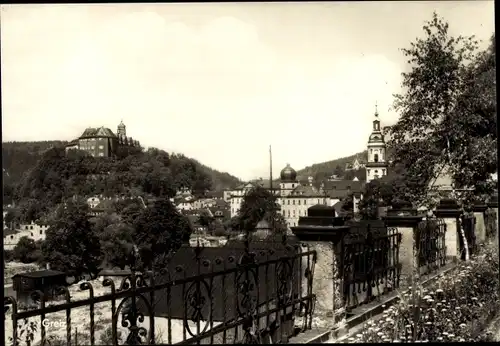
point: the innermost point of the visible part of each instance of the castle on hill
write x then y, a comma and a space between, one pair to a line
102, 142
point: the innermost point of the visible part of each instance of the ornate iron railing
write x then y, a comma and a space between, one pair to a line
253, 292
468, 222
370, 263
491, 223
431, 245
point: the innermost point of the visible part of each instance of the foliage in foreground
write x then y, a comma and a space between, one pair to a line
456, 307
447, 111
259, 204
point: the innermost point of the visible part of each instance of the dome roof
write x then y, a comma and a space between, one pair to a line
288, 173
121, 125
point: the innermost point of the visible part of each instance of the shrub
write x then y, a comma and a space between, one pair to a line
24, 250
8, 255
457, 307
107, 336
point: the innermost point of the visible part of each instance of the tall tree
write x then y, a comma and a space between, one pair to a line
71, 243
259, 204
117, 244
443, 117
160, 231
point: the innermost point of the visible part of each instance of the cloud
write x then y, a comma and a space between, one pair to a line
216, 83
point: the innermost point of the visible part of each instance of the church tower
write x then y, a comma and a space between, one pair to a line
376, 166
122, 130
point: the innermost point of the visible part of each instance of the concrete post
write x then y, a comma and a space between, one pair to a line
406, 221
479, 210
450, 212
493, 204
324, 235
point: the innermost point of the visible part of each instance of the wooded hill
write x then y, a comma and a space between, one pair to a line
41, 172
323, 170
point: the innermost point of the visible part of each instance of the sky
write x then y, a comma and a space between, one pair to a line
218, 82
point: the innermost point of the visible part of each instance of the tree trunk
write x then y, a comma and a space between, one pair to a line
464, 240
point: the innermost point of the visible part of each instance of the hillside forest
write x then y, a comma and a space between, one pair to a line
40, 175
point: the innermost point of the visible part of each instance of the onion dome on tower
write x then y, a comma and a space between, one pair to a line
288, 174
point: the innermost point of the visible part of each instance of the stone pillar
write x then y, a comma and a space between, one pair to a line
479, 210
450, 212
406, 221
327, 282
493, 204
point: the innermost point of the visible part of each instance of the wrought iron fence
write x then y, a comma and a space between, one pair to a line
468, 222
431, 245
370, 263
254, 291
491, 223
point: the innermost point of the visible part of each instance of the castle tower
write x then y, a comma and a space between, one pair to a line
376, 166
122, 129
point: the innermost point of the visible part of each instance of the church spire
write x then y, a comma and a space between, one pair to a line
376, 109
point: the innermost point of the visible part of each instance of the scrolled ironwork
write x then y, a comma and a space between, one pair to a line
369, 263
235, 294
197, 297
131, 316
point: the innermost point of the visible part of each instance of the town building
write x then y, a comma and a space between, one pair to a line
376, 166
355, 165
32, 231
102, 142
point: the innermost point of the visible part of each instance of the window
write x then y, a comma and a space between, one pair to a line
101, 147
293, 185
92, 147
371, 151
288, 213
11, 237
32, 234
101, 154
375, 157
376, 172
26, 227
299, 201
318, 200
293, 202
293, 212
288, 201
31, 227
41, 232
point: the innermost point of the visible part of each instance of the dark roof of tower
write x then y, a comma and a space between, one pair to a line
288, 174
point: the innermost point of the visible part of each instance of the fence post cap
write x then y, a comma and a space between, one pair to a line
479, 208
448, 208
402, 220
320, 233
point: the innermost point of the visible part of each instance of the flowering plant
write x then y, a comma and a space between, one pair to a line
456, 307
